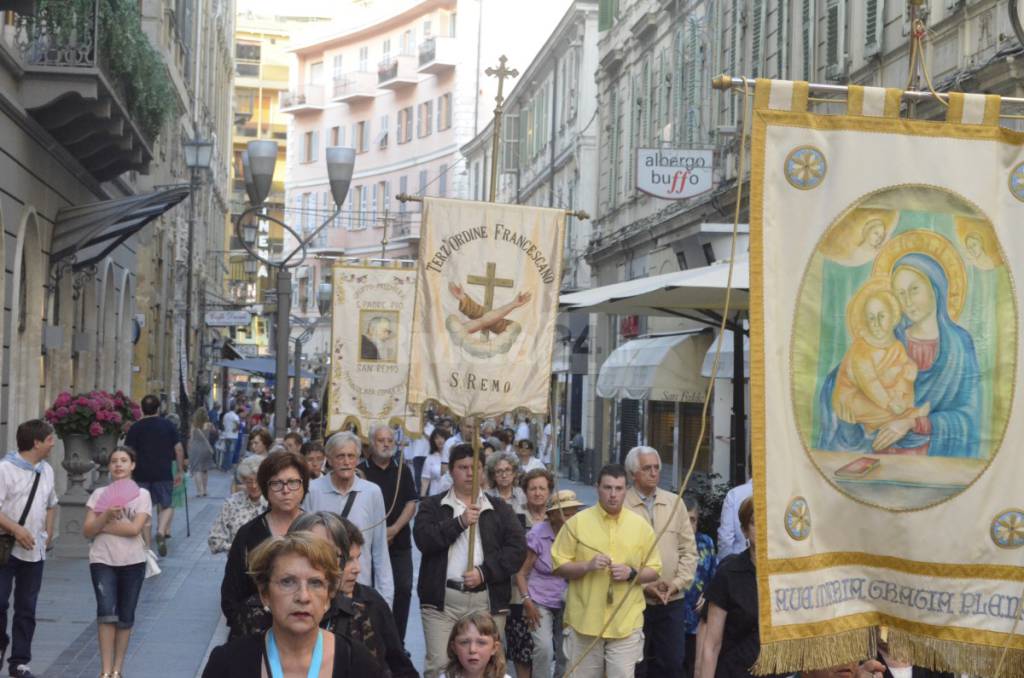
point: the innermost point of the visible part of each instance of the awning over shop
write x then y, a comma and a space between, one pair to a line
658, 368
91, 232
266, 366
727, 358
677, 294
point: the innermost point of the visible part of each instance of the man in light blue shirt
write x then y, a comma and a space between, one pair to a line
730, 533
342, 492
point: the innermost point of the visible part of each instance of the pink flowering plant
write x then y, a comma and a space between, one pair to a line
92, 414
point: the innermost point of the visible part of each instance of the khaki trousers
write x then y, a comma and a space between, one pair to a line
610, 657
438, 624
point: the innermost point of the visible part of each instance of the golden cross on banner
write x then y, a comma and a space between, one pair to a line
489, 281
501, 73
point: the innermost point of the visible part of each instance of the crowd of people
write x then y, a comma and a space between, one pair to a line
518, 579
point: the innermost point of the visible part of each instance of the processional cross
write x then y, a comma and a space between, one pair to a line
501, 73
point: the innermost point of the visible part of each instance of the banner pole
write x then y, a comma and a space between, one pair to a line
476, 490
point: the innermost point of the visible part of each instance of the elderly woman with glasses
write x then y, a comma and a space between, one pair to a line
295, 576
239, 508
502, 469
283, 479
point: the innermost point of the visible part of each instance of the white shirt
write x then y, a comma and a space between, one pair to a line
367, 514
439, 482
545, 444
15, 486
522, 431
458, 552
420, 447
730, 533
448, 445
231, 423
531, 463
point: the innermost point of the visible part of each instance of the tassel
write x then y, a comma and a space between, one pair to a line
808, 654
953, 656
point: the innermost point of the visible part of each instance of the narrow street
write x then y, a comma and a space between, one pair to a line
178, 620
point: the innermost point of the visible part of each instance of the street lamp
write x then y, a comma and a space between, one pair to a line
198, 157
323, 298
258, 165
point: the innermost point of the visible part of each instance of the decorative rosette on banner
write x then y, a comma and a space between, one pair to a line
884, 369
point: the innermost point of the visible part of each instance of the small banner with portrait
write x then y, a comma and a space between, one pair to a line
884, 365
372, 316
486, 301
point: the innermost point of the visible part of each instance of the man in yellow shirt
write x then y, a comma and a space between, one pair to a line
606, 554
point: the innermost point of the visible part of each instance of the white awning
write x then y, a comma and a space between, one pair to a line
695, 289
659, 368
727, 357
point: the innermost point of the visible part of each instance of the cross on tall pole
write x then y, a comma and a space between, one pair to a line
501, 73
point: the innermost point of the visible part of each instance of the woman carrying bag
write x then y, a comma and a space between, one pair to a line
116, 518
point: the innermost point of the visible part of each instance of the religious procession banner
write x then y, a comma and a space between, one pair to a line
885, 362
370, 341
486, 301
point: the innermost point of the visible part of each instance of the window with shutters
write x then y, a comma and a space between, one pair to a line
756, 38
403, 130
607, 13
335, 133
385, 50
679, 80
782, 40
310, 146
442, 181
423, 182
425, 118
636, 114
692, 80
835, 56
336, 69
382, 137
734, 49
364, 198
444, 112
613, 145
654, 137
872, 28
364, 59
510, 143
360, 137
807, 20
403, 188
374, 198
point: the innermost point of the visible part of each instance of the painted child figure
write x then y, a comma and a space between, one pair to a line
875, 382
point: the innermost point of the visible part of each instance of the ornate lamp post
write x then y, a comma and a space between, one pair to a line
258, 163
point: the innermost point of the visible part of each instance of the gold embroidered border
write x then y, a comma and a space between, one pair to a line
845, 558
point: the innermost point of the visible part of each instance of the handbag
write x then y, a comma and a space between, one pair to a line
7, 541
152, 567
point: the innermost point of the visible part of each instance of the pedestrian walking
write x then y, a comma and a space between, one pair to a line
694, 598
28, 506
313, 451
232, 436
400, 496
238, 509
450, 585
284, 480
543, 592
157, 446
200, 452
293, 441
117, 556
665, 614
502, 472
599, 583
474, 649
731, 639
344, 493
576, 456
357, 611
296, 576
731, 539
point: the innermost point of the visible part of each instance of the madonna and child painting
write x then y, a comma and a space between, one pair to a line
904, 348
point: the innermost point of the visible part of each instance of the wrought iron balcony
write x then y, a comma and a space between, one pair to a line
398, 72
437, 55
93, 81
309, 98
354, 88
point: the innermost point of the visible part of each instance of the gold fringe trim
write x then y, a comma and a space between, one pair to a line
787, 656
946, 655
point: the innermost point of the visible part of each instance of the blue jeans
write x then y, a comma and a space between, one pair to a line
664, 636
26, 579
117, 592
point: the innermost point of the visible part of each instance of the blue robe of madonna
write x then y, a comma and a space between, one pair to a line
951, 385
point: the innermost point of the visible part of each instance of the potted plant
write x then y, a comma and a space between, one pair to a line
90, 425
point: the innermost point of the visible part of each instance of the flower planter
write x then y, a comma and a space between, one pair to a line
78, 450
101, 448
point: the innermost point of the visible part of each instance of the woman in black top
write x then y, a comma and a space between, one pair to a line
283, 478
731, 641
296, 575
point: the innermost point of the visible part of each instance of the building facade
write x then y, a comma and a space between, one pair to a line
405, 84
548, 158
97, 97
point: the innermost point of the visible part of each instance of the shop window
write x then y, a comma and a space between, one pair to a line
690, 434
661, 422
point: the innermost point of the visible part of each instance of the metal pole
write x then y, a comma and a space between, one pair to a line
186, 413
476, 491
284, 302
296, 396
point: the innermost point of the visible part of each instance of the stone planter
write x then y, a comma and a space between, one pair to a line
102, 447
78, 454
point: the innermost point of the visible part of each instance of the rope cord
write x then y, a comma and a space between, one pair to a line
714, 373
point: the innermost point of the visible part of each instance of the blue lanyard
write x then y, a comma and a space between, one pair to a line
274, 657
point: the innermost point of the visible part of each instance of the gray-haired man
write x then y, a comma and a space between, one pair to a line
342, 492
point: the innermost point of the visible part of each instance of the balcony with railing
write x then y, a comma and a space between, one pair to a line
354, 88
92, 80
398, 72
437, 55
307, 99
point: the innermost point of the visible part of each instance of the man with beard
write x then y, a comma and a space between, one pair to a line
399, 490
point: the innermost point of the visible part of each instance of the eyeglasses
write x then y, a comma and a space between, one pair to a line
292, 584
293, 484
503, 472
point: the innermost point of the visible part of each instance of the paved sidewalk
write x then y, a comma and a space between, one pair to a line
177, 615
